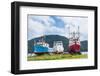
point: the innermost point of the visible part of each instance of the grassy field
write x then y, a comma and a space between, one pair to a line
56, 57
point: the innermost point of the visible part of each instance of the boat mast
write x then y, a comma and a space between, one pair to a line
43, 37
69, 31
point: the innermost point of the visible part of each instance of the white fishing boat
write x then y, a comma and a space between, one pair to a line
58, 46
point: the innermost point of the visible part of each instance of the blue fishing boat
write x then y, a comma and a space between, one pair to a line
40, 46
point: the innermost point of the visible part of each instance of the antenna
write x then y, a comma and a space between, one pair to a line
69, 31
78, 31
69, 28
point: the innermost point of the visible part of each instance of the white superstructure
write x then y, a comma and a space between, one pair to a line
58, 46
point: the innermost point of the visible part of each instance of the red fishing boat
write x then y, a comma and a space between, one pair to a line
74, 41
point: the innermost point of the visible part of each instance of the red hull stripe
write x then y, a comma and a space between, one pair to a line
75, 48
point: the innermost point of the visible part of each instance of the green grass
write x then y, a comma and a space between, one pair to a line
56, 57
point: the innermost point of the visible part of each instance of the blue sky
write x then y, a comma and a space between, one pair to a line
56, 25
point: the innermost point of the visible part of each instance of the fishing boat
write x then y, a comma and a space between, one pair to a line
58, 47
74, 41
41, 46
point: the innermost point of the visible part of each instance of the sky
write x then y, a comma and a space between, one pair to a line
39, 25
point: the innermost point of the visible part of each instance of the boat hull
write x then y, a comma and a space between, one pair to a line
74, 48
40, 49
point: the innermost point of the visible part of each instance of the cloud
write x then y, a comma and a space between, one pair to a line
74, 22
55, 25
35, 29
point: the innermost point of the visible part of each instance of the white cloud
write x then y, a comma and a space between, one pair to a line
35, 29
82, 22
40, 25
